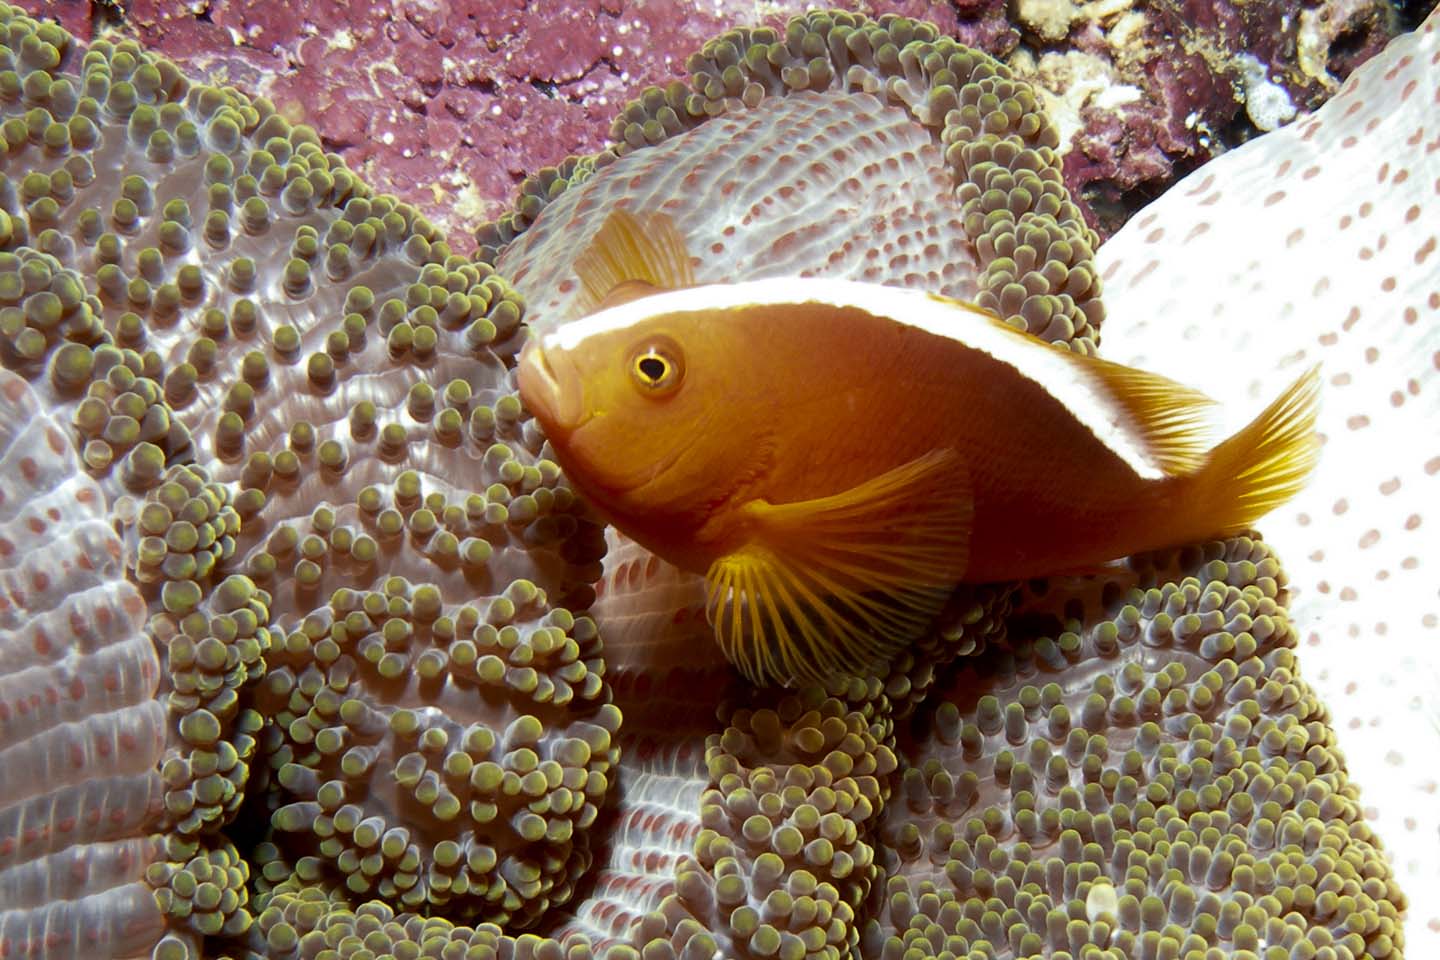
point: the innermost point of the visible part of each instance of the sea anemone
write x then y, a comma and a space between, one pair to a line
294, 406
1339, 269
868, 150
313, 663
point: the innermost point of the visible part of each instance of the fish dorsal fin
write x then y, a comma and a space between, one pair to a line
628, 259
625, 291
1171, 421
836, 583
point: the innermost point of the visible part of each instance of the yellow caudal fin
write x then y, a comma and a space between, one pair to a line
628, 259
1262, 466
835, 584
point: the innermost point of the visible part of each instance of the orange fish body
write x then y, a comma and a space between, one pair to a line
836, 456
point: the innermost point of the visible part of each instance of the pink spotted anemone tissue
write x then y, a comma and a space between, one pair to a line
1318, 243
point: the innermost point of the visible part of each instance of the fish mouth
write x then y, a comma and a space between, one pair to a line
550, 389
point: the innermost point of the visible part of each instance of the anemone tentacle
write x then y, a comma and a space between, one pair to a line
300, 644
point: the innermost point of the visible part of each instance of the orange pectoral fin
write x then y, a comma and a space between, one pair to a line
836, 583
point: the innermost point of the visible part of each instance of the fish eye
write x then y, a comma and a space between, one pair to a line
656, 369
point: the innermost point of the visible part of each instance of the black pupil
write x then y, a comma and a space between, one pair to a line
652, 367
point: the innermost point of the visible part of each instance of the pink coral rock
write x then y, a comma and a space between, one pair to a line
450, 105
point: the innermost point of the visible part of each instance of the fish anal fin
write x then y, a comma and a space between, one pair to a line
629, 258
1170, 420
837, 583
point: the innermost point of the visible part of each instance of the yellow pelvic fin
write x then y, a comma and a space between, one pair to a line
836, 583
1169, 418
628, 259
1263, 465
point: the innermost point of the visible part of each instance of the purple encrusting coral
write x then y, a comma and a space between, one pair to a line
1177, 83
450, 105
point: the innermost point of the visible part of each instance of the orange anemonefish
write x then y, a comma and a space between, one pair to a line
836, 456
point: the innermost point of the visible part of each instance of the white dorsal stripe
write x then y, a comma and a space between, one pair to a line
1053, 370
